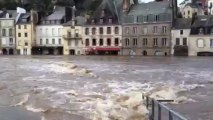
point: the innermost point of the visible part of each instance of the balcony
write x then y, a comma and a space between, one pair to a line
73, 36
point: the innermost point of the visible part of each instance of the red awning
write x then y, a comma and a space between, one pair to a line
103, 49
107, 49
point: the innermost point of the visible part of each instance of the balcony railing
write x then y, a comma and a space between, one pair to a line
74, 36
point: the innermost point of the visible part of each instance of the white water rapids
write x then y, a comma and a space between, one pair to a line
69, 88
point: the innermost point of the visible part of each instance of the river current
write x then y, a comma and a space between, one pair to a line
106, 87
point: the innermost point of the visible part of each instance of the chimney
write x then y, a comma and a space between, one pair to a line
126, 5
73, 16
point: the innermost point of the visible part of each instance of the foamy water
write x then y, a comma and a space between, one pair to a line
98, 91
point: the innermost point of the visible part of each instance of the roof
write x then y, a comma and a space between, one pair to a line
182, 23
12, 13
79, 21
24, 18
150, 8
58, 14
203, 21
193, 5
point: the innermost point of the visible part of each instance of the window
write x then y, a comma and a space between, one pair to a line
127, 41
135, 30
26, 43
164, 29
145, 30
87, 31
76, 43
19, 43
184, 41
19, 34
135, 41
40, 41
25, 34
188, 12
201, 31
116, 30
101, 42
108, 30
200, 43
59, 41
53, 31
10, 32
94, 42
19, 26
156, 18
53, 41
101, 21
108, 42
69, 34
46, 31
25, 26
93, 31
177, 41
181, 32
76, 33
145, 41
127, 30
116, 41
69, 42
110, 20
47, 41
11, 40
164, 41
155, 42
101, 31
3, 32
87, 42
155, 28
211, 31
211, 43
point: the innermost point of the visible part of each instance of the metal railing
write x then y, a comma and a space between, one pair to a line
159, 111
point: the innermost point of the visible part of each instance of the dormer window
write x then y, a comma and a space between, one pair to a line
93, 21
102, 13
201, 31
101, 20
211, 31
110, 20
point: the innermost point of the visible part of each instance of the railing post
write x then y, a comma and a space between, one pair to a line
159, 112
153, 110
170, 115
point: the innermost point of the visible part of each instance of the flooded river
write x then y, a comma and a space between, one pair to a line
105, 88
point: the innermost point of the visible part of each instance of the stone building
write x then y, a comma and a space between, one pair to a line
192, 8
7, 28
49, 33
102, 33
147, 27
200, 39
25, 32
179, 35
73, 35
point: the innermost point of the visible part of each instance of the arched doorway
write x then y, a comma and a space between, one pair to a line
4, 51
166, 54
11, 51
144, 53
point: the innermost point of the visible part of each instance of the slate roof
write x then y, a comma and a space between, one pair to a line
13, 14
24, 16
79, 21
182, 23
58, 14
203, 21
150, 8
110, 10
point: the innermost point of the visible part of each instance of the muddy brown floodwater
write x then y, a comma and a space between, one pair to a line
103, 87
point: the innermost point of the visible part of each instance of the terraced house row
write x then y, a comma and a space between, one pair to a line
116, 27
